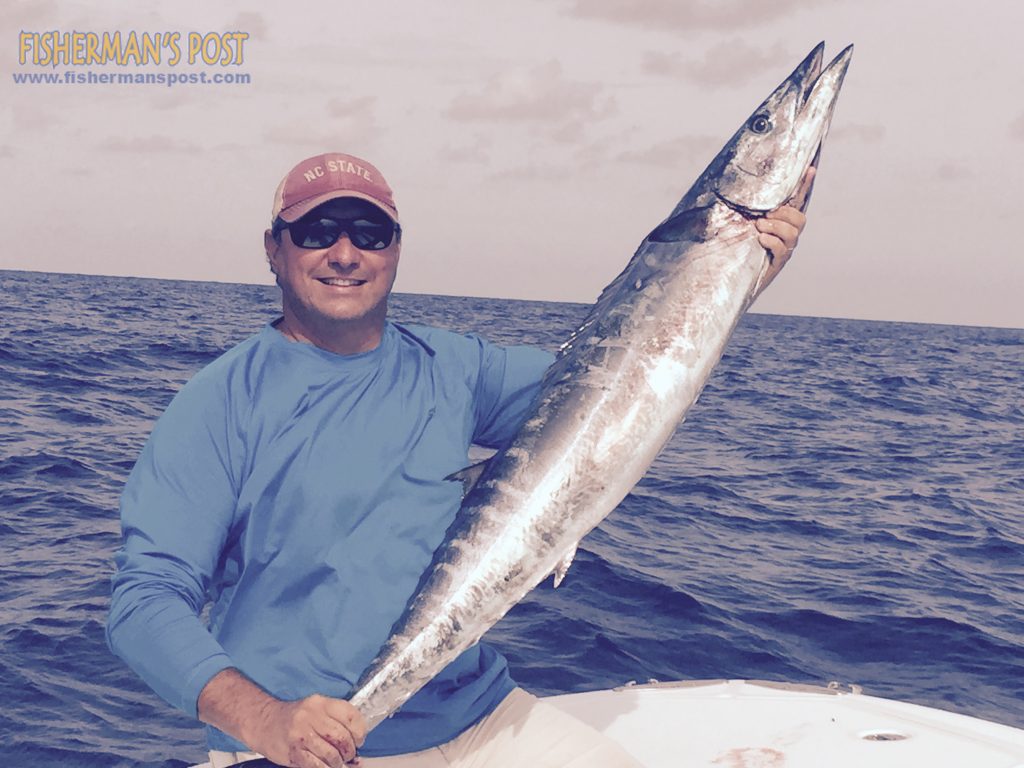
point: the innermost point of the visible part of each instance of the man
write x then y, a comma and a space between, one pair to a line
297, 483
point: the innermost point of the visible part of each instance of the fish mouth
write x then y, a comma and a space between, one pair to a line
819, 93
825, 85
809, 79
816, 90
807, 73
761, 177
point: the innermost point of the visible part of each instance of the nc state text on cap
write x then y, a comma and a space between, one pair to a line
334, 166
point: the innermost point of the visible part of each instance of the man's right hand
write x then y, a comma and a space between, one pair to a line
310, 733
314, 732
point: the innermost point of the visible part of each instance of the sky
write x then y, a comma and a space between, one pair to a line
531, 145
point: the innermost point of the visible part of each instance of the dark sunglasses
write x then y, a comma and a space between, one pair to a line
319, 231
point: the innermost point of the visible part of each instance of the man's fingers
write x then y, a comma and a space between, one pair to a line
303, 757
350, 718
315, 732
778, 231
343, 728
341, 741
775, 246
784, 234
315, 751
788, 214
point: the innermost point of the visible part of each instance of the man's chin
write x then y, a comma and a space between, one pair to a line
355, 315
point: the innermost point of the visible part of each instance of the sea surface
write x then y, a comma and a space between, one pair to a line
844, 503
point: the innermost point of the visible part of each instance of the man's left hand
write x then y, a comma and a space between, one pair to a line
779, 230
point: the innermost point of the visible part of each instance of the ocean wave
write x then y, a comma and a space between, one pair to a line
843, 503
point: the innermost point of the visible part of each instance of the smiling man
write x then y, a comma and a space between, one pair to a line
334, 288
297, 483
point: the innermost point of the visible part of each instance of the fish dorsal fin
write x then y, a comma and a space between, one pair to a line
563, 566
469, 476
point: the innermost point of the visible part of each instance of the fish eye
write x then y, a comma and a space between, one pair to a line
760, 124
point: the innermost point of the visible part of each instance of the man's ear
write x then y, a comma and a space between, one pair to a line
271, 246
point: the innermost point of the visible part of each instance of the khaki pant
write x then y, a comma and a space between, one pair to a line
522, 731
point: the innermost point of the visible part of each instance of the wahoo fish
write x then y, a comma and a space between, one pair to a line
614, 395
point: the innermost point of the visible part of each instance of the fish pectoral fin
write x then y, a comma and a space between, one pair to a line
690, 225
563, 566
469, 476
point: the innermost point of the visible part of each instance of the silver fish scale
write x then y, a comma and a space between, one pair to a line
620, 386
623, 385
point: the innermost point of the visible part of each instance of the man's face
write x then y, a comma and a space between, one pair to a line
340, 283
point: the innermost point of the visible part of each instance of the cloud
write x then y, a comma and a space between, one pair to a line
360, 107
541, 94
658, 63
527, 173
6, 151
356, 139
471, 154
253, 23
541, 100
954, 172
346, 123
170, 98
685, 150
29, 15
868, 133
34, 118
730, 62
1017, 128
161, 144
689, 15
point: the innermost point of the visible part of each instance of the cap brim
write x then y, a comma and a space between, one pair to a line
297, 211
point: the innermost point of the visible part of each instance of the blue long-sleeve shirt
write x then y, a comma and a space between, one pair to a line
302, 493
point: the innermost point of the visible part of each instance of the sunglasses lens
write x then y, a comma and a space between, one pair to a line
315, 233
323, 232
370, 235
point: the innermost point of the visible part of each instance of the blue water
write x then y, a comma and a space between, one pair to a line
844, 503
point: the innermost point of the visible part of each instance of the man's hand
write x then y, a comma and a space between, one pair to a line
779, 230
314, 732
310, 733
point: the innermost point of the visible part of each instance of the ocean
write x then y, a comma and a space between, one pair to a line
844, 503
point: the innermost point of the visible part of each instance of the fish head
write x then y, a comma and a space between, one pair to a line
761, 166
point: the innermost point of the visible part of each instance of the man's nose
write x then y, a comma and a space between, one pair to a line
344, 253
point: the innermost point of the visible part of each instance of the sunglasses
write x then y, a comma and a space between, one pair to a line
318, 231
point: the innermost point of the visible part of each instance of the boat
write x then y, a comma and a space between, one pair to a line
763, 724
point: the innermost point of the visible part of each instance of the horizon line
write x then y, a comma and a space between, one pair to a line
515, 298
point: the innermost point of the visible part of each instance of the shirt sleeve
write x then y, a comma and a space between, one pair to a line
176, 513
508, 382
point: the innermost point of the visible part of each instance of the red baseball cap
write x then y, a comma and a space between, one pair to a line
325, 177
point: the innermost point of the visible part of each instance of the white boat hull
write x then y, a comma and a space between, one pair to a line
748, 724
755, 724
